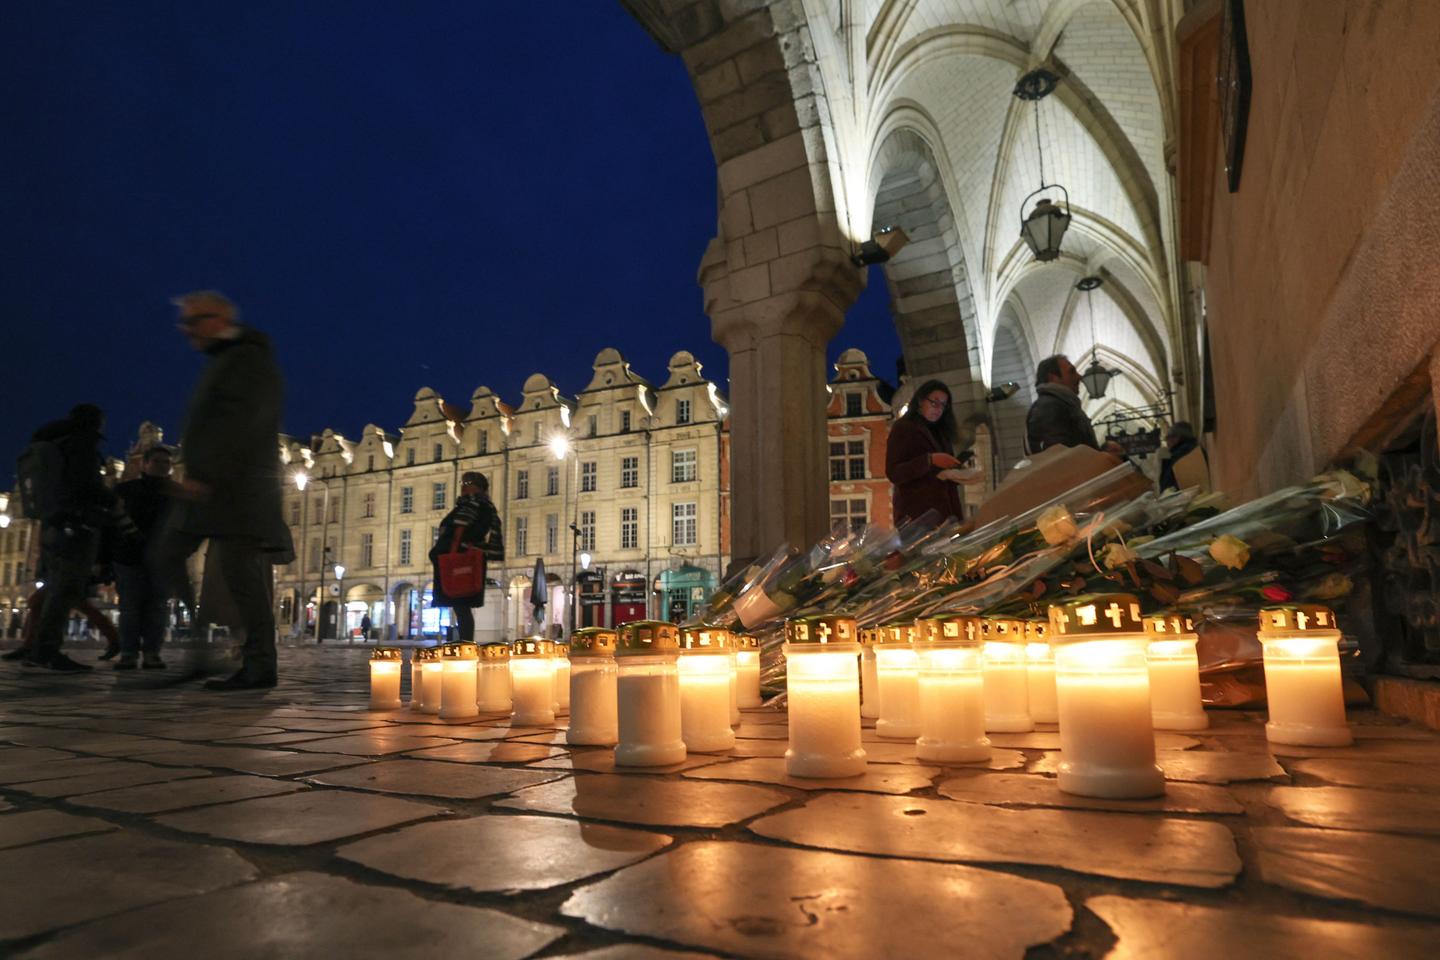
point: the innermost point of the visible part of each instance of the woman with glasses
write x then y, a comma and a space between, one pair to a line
920, 456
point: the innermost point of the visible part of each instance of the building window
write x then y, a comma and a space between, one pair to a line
629, 472
522, 535
316, 510
437, 496
629, 528
334, 509
482, 442
847, 460
537, 431
552, 533
367, 506
314, 556
439, 453
847, 516
522, 486
594, 425
404, 548
294, 513
587, 477
624, 421
682, 466
854, 405
410, 457
682, 525
407, 499
370, 462
367, 549
587, 531
682, 411
552, 481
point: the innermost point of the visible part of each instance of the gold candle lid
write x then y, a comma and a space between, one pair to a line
897, 631
1100, 615
562, 648
705, 640
1168, 626
532, 647
953, 628
743, 641
1003, 629
458, 651
494, 651
1037, 631
1295, 618
866, 635
641, 638
425, 654
385, 653
593, 642
826, 628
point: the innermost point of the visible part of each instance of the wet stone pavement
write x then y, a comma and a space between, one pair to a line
139, 819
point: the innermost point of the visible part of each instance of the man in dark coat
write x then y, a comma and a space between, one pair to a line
143, 603
231, 492
1056, 418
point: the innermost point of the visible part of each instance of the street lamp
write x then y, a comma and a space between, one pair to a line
302, 480
560, 449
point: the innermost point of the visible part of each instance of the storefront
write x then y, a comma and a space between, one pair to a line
683, 591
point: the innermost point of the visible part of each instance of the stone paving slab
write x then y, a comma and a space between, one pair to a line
451, 732
176, 731
634, 951
300, 819
324, 725
1346, 808
19, 829
276, 739
301, 916
1197, 766
11, 756
891, 752
78, 879
647, 801
371, 744
877, 778
1134, 847
121, 774
553, 738
51, 769
1148, 929
489, 752
182, 794
265, 763
603, 761
1371, 774
1048, 740
503, 854
1393, 873
751, 900
1390, 751
1026, 791
434, 778
116, 744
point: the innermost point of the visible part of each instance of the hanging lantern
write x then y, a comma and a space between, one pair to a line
1097, 376
1045, 227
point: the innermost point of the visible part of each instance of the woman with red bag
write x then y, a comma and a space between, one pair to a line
471, 526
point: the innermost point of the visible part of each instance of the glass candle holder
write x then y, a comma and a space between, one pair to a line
1302, 676
823, 683
747, 671
385, 678
1107, 746
433, 671
1007, 682
869, 694
649, 695
594, 714
705, 690
458, 663
1040, 672
952, 691
492, 684
897, 676
532, 682
562, 679
1174, 673
418, 656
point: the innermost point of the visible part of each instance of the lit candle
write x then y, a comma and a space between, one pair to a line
747, 671
869, 692
457, 681
492, 688
1040, 671
1174, 673
433, 670
562, 679
897, 675
823, 684
532, 682
1107, 746
1302, 676
649, 695
418, 656
705, 690
952, 691
594, 716
1007, 683
385, 678
734, 685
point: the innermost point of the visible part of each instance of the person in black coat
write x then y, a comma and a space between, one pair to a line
143, 601
920, 457
1056, 418
1180, 438
472, 523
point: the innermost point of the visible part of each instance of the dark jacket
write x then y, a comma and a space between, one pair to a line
479, 527
231, 443
1056, 418
84, 497
918, 487
1167, 466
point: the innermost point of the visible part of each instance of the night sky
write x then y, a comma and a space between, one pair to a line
402, 195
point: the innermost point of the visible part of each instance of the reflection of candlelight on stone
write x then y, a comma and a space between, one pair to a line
1007, 684
385, 679
457, 681
952, 694
594, 714
823, 685
532, 682
747, 670
705, 690
897, 676
649, 695
492, 687
1174, 673
1107, 745
1040, 671
869, 682
562, 679
1302, 676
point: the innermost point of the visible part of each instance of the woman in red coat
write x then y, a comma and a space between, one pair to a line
920, 450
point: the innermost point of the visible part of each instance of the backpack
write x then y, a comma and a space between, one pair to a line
40, 472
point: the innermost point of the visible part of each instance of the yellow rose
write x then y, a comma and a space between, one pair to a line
1116, 555
1057, 526
1230, 551
1332, 586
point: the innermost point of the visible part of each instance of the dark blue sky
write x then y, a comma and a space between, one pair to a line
402, 195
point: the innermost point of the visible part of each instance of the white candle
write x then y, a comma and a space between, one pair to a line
869, 684
492, 686
1040, 672
747, 672
952, 694
823, 686
457, 681
434, 678
594, 711
417, 678
649, 696
1303, 683
734, 690
532, 682
1007, 682
897, 674
705, 686
562, 679
385, 679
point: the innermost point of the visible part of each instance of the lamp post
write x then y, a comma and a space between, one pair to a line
302, 480
339, 598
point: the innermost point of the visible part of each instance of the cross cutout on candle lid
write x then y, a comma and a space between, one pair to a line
1116, 615
822, 630
1301, 619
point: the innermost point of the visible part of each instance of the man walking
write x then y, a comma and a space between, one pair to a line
143, 603
231, 492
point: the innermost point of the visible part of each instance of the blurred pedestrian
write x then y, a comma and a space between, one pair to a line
472, 523
144, 605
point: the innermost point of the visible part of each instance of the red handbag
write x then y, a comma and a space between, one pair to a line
462, 572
